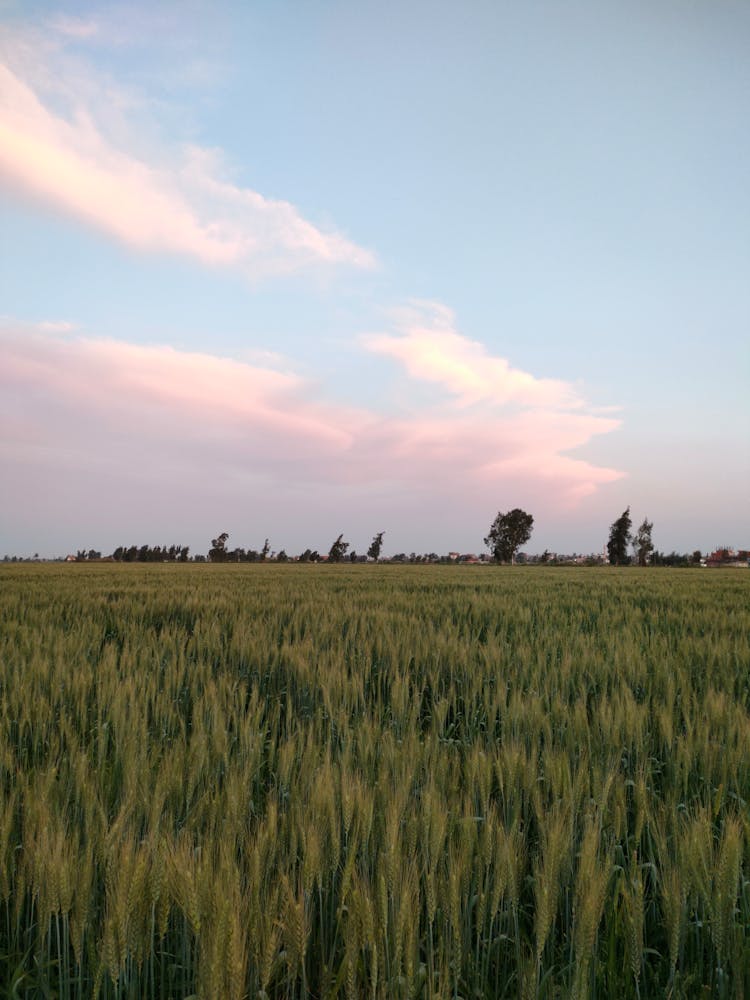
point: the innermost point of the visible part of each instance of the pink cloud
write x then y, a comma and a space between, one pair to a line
111, 407
431, 349
176, 203
157, 392
78, 28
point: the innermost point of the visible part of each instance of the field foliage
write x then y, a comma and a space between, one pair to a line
314, 781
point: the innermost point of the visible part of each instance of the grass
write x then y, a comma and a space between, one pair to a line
316, 781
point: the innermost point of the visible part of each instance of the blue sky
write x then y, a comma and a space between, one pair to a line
289, 269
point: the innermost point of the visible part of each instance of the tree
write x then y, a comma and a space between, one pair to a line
338, 550
642, 544
619, 536
508, 533
218, 550
264, 551
375, 546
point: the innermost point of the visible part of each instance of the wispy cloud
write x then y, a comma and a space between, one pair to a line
90, 402
79, 28
430, 348
510, 426
155, 392
80, 155
56, 326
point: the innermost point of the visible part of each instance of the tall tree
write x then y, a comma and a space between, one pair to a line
338, 550
218, 550
508, 533
375, 546
619, 536
642, 544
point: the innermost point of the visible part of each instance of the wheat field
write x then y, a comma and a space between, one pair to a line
374, 781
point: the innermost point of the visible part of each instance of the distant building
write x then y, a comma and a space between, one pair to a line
726, 558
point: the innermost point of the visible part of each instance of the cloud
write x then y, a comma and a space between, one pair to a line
430, 348
510, 427
78, 28
68, 148
56, 326
153, 416
156, 395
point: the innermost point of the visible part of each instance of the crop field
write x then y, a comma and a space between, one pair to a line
374, 781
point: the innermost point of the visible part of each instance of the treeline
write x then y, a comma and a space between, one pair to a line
505, 538
181, 554
676, 558
147, 553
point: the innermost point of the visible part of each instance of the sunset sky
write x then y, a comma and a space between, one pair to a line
288, 270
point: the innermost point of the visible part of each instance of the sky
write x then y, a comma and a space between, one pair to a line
289, 270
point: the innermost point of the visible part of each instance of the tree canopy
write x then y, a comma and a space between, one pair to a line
508, 533
619, 536
218, 551
338, 550
642, 544
375, 546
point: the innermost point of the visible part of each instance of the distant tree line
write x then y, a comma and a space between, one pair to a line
676, 558
146, 553
644, 552
507, 533
219, 552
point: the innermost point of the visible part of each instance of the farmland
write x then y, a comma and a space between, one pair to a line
314, 781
